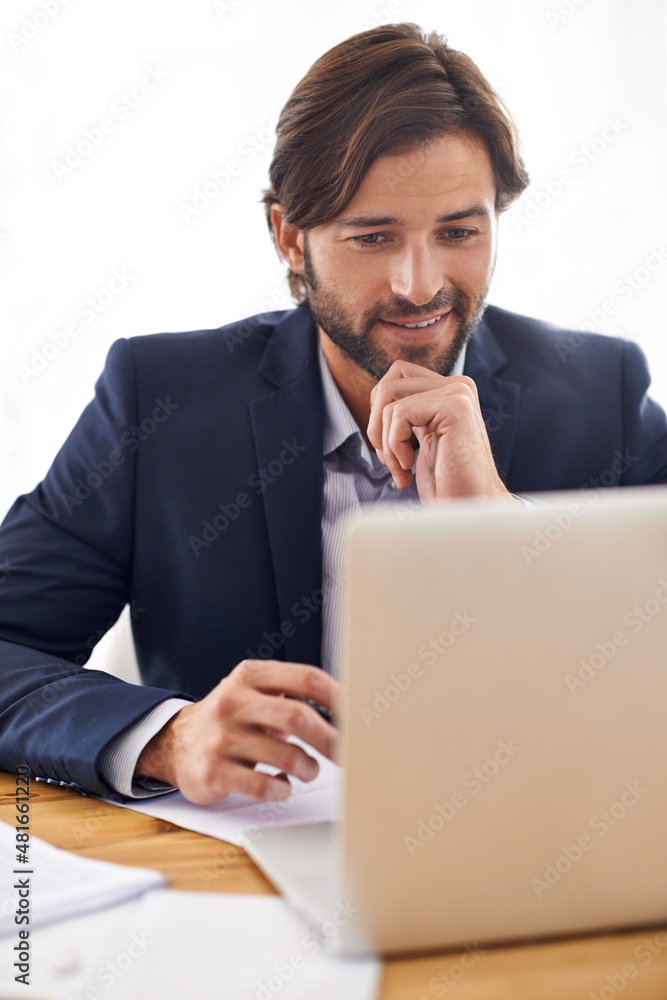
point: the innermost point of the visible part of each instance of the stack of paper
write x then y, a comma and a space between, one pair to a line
60, 884
174, 945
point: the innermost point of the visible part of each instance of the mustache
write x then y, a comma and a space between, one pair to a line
454, 300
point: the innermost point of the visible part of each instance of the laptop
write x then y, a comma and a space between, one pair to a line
505, 729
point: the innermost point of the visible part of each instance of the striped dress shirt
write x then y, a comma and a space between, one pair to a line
353, 476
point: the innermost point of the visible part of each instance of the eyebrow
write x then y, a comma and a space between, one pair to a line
373, 221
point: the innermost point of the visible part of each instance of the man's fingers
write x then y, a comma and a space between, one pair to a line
403, 405
242, 780
399, 455
388, 392
245, 721
275, 734
410, 383
255, 748
400, 369
397, 437
298, 679
440, 410
289, 715
224, 777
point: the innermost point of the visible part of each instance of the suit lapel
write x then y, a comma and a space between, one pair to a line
287, 425
499, 399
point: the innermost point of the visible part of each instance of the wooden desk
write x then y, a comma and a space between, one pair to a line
565, 970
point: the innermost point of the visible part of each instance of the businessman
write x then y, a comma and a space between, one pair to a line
205, 483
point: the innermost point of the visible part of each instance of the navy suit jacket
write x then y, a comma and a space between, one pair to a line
191, 488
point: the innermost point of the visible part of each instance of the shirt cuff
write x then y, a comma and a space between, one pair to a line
119, 759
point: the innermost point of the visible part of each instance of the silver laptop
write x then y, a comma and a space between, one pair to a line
505, 733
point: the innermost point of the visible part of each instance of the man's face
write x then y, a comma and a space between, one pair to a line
418, 240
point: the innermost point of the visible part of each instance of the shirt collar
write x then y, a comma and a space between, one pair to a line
339, 424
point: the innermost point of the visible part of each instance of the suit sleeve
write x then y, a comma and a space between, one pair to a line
645, 424
66, 554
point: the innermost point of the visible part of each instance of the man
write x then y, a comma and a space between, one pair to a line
205, 482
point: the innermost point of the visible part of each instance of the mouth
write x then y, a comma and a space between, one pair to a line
422, 330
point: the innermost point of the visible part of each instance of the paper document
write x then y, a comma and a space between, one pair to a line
236, 817
174, 945
59, 884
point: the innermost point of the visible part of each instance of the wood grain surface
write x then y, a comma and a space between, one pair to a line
632, 966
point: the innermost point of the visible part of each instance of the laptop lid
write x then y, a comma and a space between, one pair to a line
505, 730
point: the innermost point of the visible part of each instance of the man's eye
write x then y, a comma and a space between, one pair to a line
459, 234
367, 240
456, 235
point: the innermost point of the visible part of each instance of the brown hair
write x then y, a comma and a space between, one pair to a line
391, 89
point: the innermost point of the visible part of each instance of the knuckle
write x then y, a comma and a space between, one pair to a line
388, 411
228, 702
246, 671
382, 397
311, 684
294, 716
399, 365
224, 742
209, 775
265, 787
462, 405
291, 756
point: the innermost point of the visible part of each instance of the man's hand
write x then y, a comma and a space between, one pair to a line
210, 748
413, 404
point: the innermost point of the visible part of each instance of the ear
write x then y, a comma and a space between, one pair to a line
289, 240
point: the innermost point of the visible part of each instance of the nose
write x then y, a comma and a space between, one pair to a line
415, 275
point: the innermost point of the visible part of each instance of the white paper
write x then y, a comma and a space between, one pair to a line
176, 945
236, 817
58, 884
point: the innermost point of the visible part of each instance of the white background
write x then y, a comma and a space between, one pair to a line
230, 65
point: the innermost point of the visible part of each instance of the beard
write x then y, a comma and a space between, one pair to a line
362, 348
